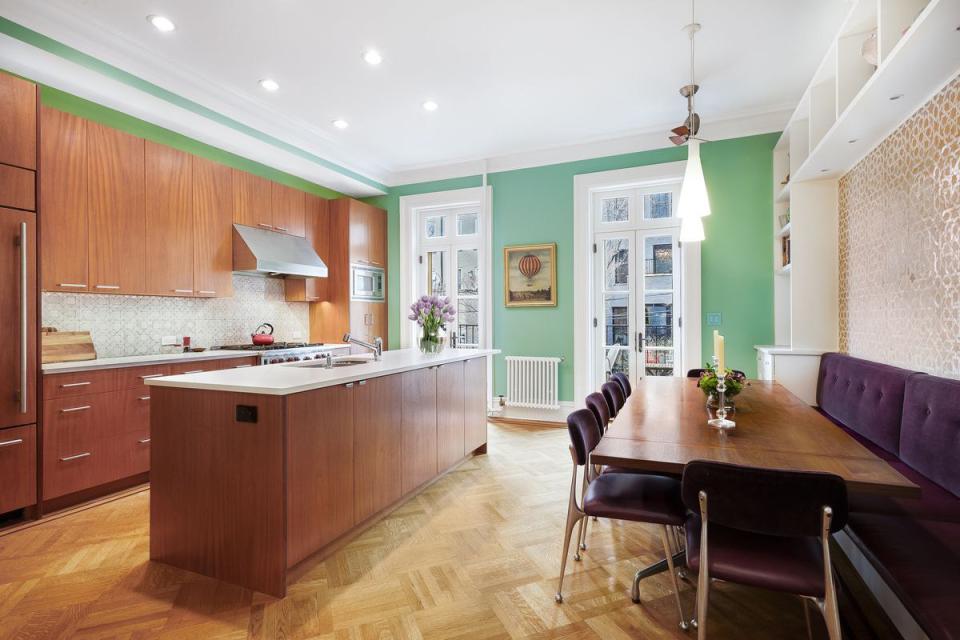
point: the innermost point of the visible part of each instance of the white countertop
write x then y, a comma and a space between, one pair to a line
158, 358
285, 379
782, 350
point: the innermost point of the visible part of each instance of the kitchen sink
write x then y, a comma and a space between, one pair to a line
343, 362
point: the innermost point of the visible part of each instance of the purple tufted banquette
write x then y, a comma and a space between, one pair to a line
930, 435
864, 396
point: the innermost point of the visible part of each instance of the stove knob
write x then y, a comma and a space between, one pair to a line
291, 359
274, 360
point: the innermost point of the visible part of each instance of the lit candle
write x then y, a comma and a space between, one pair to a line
720, 366
716, 342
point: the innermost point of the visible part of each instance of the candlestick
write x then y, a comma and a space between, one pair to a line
721, 422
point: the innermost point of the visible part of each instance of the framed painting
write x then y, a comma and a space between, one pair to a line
530, 275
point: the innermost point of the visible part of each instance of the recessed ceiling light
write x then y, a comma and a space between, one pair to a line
161, 23
372, 57
430, 105
340, 123
269, 85
896, 97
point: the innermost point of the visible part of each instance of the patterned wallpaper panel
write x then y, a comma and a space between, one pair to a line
133, 325
900, 244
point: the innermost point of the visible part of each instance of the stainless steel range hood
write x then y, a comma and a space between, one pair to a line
270, 253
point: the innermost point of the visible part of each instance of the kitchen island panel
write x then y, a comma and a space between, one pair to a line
377, 444
419, 427
450, 415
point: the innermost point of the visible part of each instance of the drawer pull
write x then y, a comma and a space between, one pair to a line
71, 285
268, 226
144, 441
75, 457
73, 384
183, 290
143, 398
75, 409
349, 385
10, 443
152, 375
185, 373
107, 286
242, 366
363, 382
207, 293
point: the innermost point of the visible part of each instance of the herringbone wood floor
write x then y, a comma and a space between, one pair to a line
476, 555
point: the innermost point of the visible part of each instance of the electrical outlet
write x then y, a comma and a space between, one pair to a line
714, 319
168, 341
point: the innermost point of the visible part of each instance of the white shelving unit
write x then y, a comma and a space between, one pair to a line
849, 107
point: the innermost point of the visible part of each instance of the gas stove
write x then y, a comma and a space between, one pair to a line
288, 351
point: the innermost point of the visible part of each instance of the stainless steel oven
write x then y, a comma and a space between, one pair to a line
366, 282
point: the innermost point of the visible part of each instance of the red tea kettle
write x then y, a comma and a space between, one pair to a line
263, 335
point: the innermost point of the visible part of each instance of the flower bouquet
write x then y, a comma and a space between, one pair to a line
733, 380
432, 313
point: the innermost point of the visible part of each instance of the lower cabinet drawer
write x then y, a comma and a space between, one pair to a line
134, 377
130, 453
76, 433
18, 467
134, 410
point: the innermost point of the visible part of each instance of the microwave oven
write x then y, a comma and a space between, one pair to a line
366, 282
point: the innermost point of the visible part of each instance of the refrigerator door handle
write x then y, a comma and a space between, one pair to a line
24, 318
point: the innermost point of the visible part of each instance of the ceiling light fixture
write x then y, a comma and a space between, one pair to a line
430, 105
372, 57
340, 123
161, 23
694, 203
269, 85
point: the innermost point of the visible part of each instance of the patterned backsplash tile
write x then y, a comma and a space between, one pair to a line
900, 244
134, 325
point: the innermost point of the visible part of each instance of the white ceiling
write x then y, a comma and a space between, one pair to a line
510, 75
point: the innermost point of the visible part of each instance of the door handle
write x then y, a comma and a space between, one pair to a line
639, 341
24, 318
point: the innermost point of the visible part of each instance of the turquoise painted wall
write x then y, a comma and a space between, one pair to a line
536, 205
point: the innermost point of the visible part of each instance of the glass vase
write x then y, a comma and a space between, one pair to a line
431, 343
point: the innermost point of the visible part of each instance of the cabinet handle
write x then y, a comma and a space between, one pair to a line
71, 285
183, 290
10, 443
207, 293
74, 384
186, 373
349, 385
363, 382
268, 226
152, 375
143, 398
75, 409
75, 457
106, 286
242, 366
24, 318
281, 228
144, 441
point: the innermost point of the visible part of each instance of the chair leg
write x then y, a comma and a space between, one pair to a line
572, 517
581, 539
703, 597
831, 616
806, 617
665, 539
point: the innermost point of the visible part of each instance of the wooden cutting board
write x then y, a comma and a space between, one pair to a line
66, 346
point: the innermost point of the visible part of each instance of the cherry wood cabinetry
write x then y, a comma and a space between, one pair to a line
317, 233
115, 206
18, 124
368, 233
450, 414
252, 204
17, 188
18, 467
475, 405
418, 410
289, 209
63, 191
212, 226
377, 445
169, 221
18, 241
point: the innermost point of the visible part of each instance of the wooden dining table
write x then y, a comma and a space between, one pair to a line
663, 426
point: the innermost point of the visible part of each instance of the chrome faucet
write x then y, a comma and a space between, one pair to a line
376, 347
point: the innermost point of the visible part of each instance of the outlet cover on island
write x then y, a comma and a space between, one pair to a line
714, 319
168, 341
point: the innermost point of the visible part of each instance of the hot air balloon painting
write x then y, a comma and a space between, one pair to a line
530, 275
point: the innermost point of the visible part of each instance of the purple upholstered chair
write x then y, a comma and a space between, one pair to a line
767, 528
601, 410
622, 496
621, 378
613, 393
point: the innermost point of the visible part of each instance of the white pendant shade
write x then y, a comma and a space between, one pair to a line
691, 229
694, 202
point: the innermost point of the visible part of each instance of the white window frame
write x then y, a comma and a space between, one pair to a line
586, 221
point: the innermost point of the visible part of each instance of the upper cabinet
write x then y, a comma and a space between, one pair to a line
288, 206
368, 233
63, 191
213, 233
18, 127
115, 206
252, 197
170, 228
317, 233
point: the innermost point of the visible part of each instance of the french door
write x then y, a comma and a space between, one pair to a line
637, 283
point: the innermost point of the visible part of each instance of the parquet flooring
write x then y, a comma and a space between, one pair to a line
476, 555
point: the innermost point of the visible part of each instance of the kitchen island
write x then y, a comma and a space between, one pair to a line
254, 470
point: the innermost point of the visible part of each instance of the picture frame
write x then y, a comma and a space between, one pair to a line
530, 275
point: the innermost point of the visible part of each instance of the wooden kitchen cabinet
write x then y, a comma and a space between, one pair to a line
252, 200
13, 380
317, 233
289, 209
18, 467
170, 226
377, 445
450, 415
418, 409
320, 463
18, 126
18, 188
115, 197
213, 229
368, 232
76, 443
475, 405
63, 191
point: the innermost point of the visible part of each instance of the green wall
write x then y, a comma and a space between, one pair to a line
536, 205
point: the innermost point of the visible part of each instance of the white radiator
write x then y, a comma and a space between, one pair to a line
532, 382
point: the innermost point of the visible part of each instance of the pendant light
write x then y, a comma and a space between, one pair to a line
694, 201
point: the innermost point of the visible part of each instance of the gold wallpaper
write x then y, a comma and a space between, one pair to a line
900, 244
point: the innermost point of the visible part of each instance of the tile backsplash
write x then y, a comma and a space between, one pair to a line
134, 325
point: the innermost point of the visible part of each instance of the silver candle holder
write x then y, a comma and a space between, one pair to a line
721, 422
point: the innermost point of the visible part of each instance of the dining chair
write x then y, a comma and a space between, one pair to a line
601, 410
635, 497
613, 394
765, 528
624, 382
